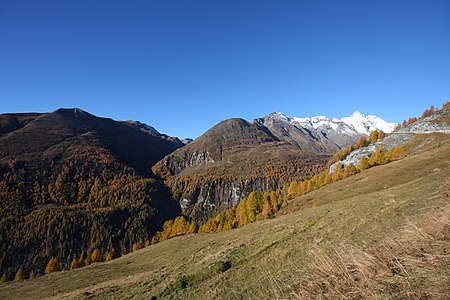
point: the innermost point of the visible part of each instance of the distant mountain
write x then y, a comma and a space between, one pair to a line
236, 156
336, 132
436, 123
72, 182
186, 141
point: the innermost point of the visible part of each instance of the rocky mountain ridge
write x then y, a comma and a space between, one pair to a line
236, 156
438, 122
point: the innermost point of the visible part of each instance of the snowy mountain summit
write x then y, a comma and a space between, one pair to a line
356, 124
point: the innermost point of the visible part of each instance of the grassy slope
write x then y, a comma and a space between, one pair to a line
367, 225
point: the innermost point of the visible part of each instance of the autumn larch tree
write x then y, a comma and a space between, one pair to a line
374, 136
96, 256
19, 275
337, 174
4, 278
363, 164
52, 266
74, 264
110, 255
350, 170
362, 142
397, 152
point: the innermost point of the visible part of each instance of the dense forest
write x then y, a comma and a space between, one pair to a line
69, 185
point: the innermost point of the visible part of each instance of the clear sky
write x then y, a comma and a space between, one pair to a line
183, 66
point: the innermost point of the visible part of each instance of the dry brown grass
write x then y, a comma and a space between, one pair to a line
396, 269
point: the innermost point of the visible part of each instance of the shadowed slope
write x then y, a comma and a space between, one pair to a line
72, 182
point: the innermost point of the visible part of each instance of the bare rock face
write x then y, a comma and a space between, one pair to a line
438, 122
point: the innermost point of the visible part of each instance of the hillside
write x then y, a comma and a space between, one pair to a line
236, 157
232, 159
71, 182
381, 234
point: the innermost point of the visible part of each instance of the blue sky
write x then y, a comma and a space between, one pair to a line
183, 66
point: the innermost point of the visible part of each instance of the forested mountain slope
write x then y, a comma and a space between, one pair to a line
236, 157
232, 159
71, 182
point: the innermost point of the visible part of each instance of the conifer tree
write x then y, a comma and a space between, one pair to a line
379, 157
52, 266
167, 230
110, 255
362, 142
374, 136
267, 210
82, 260
328, 179
32, 275
292, 190
192, 228
350, 170
363, 164
242, 213
4, 278
397, 152
337, 175
19, 276
96, 256
179, 226
74, 264
136, 246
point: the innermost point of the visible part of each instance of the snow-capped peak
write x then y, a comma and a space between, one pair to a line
357, 123
365, 124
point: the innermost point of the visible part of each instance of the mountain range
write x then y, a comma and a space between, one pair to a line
379, 232
235, 157
72, 182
